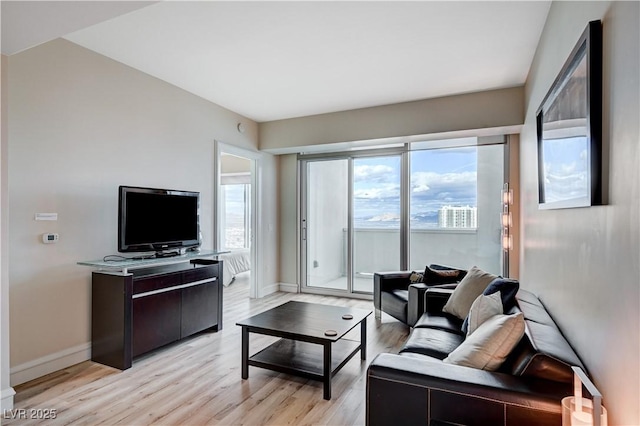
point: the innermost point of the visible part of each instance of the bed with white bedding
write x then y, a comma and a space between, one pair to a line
233, 263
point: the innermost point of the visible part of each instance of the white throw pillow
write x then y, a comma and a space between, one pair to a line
471, 286
490, 344
483, 308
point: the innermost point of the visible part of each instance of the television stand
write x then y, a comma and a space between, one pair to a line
123, 265
139, 306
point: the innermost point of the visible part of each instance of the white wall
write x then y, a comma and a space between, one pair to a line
584, 263
268, 226
234, 164
288, 220
488, 110
81, 124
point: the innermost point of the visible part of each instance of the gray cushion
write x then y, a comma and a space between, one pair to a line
490, 344
471, 286
483, 308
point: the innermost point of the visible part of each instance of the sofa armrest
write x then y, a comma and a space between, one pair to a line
420, 389
416, 302
436, 297
392, 280
387, 281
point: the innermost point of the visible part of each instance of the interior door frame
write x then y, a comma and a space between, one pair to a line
255, 255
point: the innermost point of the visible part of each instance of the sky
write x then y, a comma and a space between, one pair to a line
438, 177
566, 165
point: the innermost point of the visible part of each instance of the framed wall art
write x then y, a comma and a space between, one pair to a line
569, 128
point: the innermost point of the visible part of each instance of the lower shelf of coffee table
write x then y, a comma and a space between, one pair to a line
304, 359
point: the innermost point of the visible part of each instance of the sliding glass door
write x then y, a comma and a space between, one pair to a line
325, 225
350, 223
376, 218
399, 209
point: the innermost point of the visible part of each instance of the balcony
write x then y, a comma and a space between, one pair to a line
378, 249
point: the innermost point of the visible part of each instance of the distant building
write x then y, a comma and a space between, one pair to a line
458, 217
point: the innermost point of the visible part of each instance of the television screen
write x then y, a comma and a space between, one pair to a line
157, 219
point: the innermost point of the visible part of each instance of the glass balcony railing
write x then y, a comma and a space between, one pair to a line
461, 248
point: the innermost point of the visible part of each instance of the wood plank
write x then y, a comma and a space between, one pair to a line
197, 381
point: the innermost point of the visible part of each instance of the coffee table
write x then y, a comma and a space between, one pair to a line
302, 327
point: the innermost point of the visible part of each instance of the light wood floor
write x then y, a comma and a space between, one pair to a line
197, 381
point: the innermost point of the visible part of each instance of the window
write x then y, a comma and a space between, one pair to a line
236, 224
400, 208
455, 207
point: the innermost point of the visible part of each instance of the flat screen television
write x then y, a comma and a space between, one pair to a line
160, 220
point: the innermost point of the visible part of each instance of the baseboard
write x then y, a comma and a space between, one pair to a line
267, 290
48, 364
7, 399
288, 288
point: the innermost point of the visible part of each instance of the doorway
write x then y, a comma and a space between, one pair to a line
235, 219
344, 224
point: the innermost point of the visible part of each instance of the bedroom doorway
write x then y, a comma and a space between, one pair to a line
235, 219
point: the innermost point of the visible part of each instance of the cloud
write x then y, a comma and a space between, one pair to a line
566, 179
569, 182
423, 183
381, 191
377, 173
429, 191
385, 217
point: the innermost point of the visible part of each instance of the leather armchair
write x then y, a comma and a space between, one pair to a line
394, 294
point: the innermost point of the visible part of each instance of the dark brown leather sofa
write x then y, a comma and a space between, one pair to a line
416, 387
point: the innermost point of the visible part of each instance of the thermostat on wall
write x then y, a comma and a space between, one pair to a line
46, 216
50, 238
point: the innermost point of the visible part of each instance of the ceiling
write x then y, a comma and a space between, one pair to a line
276, 60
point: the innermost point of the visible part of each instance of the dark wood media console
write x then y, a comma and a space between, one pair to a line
136, 312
